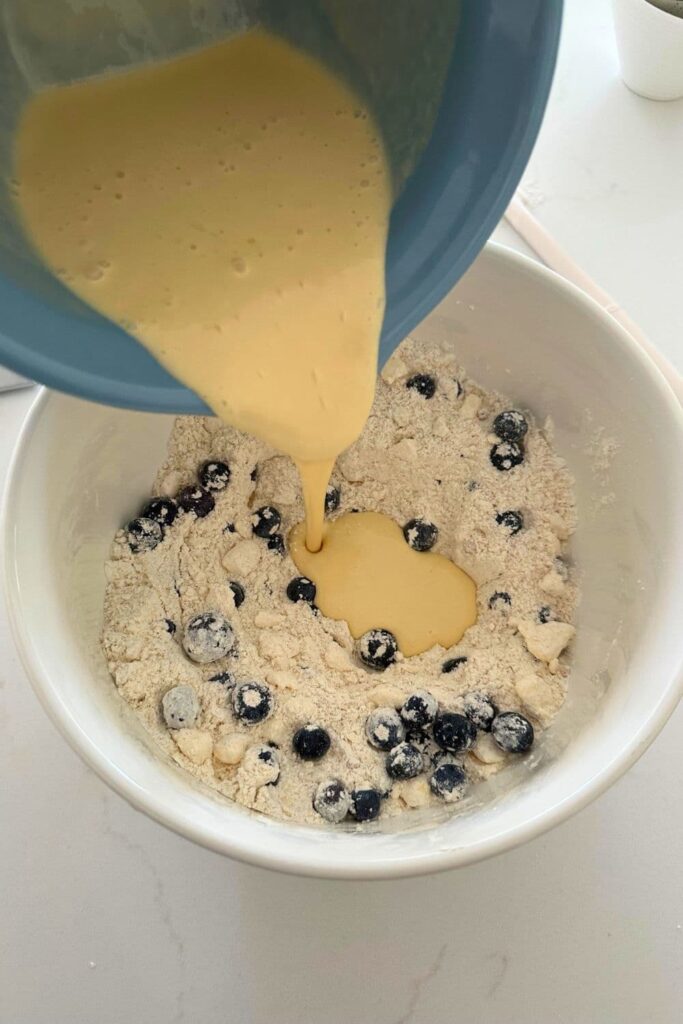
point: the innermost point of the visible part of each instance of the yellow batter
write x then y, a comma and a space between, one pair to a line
229, 208
368, 575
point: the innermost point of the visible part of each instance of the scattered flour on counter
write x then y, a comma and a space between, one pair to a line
417, 457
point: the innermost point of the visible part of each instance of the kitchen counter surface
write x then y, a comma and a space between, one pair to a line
108, 918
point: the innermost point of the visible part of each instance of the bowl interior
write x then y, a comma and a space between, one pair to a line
82, 469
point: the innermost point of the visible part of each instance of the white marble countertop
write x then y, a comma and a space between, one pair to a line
107, 918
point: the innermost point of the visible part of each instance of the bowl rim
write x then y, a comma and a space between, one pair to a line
435, 858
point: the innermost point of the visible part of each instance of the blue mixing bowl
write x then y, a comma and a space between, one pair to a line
491, 108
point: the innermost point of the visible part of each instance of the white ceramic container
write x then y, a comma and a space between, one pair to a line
80, 470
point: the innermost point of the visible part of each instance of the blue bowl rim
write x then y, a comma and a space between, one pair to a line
168, 395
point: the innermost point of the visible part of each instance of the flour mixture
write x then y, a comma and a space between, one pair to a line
214, 637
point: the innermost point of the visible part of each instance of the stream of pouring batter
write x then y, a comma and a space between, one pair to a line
230, 209
367, 575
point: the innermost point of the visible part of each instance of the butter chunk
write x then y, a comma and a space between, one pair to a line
281, 679
394, 369
230, 749
487, 750
552, 583
414, 792
195, 744
538, 696
470, 407
243, 558
386, 696
545, 640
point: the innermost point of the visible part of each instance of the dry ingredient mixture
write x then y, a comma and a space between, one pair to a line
213, 636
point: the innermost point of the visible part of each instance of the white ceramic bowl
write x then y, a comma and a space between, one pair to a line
80, 470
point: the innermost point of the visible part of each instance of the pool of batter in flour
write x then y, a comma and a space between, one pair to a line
228, 648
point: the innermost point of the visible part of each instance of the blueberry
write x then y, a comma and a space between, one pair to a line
180, 707
378, 649
208, 637
441, 757
365, 804
544, 614
420, 708
253, 476
384, 728
499, 601
332, 801
423, 383
266, 521
512, 732
332, 500
214, 476
512, 521
454, 732
229, 528
267, 752
170, 626
452, 664
506, 455
238, 594
480, 710
225, 679
143, 535
311, 742
420, 534
276, 543
266, 761
420, 739
162, 510
448, 781
301, 589
252, 702
196, 500
510, 426
404, 762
